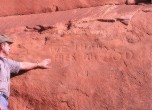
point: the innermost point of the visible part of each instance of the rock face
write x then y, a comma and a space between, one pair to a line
19, 7
22, 7
101, 59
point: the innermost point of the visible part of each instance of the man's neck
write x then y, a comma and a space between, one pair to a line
2, 55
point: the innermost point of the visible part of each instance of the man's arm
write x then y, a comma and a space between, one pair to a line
29, 65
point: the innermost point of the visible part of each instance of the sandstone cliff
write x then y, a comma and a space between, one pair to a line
22, 7
101, 58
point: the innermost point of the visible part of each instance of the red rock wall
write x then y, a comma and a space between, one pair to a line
101, 59
19, 7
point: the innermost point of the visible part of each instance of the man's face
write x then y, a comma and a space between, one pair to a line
6, 48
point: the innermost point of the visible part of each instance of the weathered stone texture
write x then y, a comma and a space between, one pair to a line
101, 59
22, 7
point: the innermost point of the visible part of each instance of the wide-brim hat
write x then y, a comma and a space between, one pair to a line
4, 38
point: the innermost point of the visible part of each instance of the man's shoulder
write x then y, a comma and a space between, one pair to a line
1, 62
10, 61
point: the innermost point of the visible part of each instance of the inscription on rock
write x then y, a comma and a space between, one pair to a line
87, 52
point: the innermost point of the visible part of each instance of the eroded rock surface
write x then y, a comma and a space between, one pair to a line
22, 7
101, 59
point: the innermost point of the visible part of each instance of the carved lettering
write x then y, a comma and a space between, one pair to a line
86, 51
59, 58
90, 56
128, 55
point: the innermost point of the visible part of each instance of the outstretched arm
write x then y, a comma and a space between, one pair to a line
29, 65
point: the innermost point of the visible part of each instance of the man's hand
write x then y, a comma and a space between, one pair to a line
44, 63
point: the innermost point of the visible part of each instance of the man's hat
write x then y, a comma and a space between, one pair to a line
4, 38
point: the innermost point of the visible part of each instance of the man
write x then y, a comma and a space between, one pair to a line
8, 66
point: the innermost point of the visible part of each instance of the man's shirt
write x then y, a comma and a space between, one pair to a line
7, 66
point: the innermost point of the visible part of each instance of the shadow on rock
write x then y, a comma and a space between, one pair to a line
20, 73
